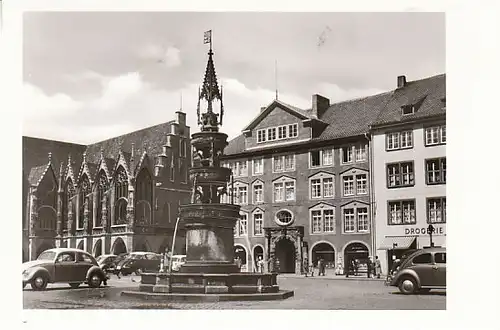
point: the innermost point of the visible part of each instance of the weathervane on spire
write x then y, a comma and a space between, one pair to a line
210, 92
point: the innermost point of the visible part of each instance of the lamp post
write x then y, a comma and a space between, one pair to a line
430, 230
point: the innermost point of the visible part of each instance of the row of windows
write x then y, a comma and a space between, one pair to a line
285, 189
435, 135
286, 163
321, 221
403, 174
277, 133
402, 212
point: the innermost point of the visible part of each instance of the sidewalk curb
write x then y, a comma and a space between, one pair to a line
336, 278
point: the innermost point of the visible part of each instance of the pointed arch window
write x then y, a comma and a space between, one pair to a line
47, 198
85, 190
144, 193
121, 192
68, 197
102, 188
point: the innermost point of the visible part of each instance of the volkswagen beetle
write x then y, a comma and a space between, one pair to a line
421, 271
63, 265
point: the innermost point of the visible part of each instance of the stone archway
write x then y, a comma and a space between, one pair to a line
285, 254
241, 252
43, 247
323, 250
258, 251
119, 247
80, 245
97, 248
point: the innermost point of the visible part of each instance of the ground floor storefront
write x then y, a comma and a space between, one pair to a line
390, 248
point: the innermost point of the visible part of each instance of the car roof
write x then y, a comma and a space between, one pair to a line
142, 253
59, 250
179, 256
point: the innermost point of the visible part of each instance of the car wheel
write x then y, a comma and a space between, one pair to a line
94, 280
74, 285
39, 282
407, 285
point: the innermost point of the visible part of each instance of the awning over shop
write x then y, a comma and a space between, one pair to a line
396, 243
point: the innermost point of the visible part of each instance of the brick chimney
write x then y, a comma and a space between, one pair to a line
401, 81
319, 105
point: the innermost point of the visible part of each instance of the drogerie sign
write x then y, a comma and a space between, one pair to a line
438, 230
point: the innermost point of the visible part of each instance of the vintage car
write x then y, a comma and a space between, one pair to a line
138, 262
106, 261
421, 271
64, 265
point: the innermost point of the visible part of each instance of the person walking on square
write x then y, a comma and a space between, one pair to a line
260, 265
378, 267
305, 265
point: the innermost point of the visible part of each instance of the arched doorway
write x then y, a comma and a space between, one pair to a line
325, 251
359, 252
97, 248
119, 247
285, 256
142, 247
258, 251
240, 252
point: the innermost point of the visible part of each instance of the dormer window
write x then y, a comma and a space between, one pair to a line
408, 109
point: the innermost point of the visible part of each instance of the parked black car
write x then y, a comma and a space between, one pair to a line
138, 262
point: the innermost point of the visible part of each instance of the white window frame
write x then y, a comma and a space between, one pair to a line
351, 219
344, 177
365, 221
237, 188
321, 153
243, 223
363, 147
282, 159
293, 128
272, 134
261, 166
321, 177
438, 210
358, 180
262, 135
254, 213
237, 168
435, 132
257, 183
355, 207
283, 183
282, 132
342, 152
322, 208
394, 140
397, 210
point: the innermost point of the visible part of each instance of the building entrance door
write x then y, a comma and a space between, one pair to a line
285, 256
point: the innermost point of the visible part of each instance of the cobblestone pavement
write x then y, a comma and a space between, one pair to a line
310, 293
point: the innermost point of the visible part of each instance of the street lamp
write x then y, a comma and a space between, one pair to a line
430, 230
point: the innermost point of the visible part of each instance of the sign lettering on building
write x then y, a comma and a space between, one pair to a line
438, 230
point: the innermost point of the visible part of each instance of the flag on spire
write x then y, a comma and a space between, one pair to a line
207, 37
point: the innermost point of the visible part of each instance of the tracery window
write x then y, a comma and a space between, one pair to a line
121, 194
102, 188
68, 197
144, 194
85, 190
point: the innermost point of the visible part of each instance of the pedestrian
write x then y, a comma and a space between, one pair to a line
305, 265
311, 268
260, 265
369, 268
270, 264
320, 266
323, 267
378, 267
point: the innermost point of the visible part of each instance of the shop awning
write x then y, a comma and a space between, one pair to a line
396, 243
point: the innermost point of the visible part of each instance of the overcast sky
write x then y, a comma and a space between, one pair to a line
90, 76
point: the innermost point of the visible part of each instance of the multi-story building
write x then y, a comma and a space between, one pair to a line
409, 168
113, 196
302, 179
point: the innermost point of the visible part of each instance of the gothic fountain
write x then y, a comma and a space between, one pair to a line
210, 273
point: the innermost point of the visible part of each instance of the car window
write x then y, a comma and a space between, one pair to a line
440, 257
66, 257
423, 259
84, 258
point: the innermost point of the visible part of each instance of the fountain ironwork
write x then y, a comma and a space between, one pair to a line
210, 272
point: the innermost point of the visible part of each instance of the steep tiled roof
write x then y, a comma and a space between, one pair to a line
36, 150
354, 117
235, 145
425, 94
154, 137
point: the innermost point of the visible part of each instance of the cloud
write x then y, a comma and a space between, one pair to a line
337, 94
172, 57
